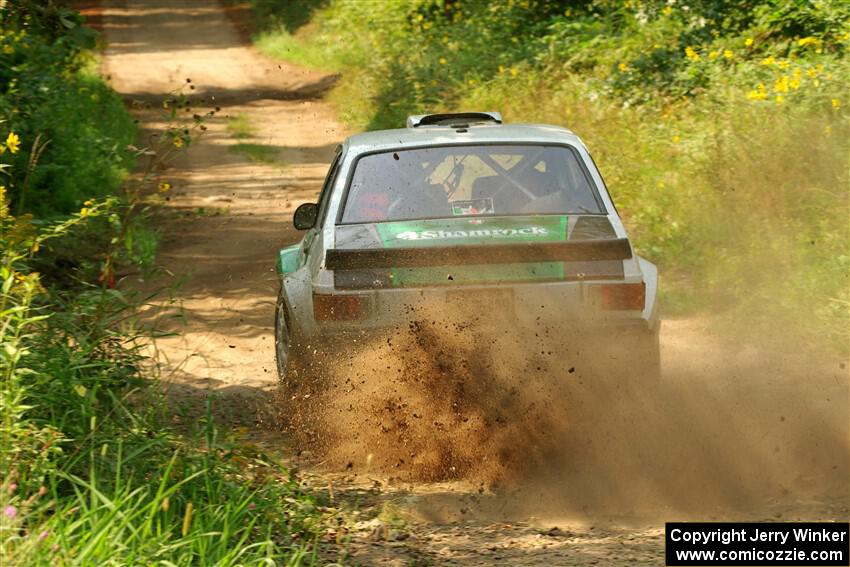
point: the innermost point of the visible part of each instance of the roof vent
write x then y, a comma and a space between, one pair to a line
453, 120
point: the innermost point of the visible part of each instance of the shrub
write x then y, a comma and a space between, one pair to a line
74, 131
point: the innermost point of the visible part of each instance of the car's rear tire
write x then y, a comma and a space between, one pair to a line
285, 349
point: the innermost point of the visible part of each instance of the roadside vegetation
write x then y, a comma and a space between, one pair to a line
92, 472
721, 126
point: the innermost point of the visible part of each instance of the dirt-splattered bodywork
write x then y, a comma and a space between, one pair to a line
565, 272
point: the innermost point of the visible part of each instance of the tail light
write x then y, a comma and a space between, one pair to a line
337, 307
622, 297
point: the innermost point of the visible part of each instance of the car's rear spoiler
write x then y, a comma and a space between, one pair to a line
612, 249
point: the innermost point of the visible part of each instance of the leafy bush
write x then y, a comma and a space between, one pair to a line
73, 130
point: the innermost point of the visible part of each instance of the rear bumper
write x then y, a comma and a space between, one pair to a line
554, 306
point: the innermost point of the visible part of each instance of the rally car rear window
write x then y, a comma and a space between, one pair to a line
451, 181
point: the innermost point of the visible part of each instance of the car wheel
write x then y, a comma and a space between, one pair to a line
287, 359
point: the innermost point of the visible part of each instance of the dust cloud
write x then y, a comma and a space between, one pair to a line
524, 414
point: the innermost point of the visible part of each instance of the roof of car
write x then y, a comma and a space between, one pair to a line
471, 134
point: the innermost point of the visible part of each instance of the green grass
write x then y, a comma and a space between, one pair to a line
241, 127
144, 501
285, 46
258, 153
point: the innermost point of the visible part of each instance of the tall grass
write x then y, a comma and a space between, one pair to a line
91, 472
133, 504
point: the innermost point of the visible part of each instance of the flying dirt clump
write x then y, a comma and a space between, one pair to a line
447, 397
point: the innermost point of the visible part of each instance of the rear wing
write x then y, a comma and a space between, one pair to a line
452, 119
581, 251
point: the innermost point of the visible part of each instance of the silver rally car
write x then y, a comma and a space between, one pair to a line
463, 210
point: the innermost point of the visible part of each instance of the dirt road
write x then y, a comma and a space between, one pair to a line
741, 431
233, 193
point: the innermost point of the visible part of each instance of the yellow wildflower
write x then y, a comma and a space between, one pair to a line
164, 186
691, 54
727, 53
802, 42
780, 99
712, 56
676, 139
13, 142
514, 71
836, 104
781, 84
623, 67
759, 93
442, 60
783, 64
812, 73
794, 84
84, 212
88, 203
178, 142
748, 42
667, 10
768, 60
